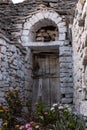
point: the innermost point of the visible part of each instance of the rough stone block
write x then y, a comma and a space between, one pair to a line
25, 32
65, 49
39, 16
65, 59
3, 49
12, 48
69, 95
53, 16
2, 41
62, 24
67, 90
67, 100
34, 18
1, 94
1, 76
46, 14
65, 70
24, 39
58, 20
63, 29
27, 25
2, 100
62, 36
70, 85
66, 65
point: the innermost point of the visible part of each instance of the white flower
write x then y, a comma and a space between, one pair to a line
54, 105
52, 108
41, 117
61, 107
69, 109
66, 106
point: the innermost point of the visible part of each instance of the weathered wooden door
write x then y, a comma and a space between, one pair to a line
46, 79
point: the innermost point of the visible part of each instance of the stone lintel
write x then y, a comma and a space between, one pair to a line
53, 44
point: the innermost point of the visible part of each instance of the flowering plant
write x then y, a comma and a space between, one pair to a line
30, 126
67, 118
58, 117
14, 102
9, 113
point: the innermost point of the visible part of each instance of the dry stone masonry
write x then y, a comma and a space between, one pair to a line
43, 51
79, 32
47, 34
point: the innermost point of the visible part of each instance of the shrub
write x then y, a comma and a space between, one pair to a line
14, 107
67, 119
59, 117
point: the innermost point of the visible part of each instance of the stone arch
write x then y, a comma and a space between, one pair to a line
43, 15
43, 27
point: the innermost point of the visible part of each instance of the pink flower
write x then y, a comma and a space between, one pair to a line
32, 123
45, 113
21, 127
29, 128
37, 126
27, 125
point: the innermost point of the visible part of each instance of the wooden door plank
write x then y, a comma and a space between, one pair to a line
55, 91
41, 62
52, 65
47, 65
45, 92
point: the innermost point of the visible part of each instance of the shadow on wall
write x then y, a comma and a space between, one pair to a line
44, 31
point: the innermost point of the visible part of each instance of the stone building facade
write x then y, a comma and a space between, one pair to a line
79, 34
43, 51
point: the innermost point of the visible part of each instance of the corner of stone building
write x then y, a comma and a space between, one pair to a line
79, 32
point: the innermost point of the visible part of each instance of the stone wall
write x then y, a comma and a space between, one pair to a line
66, 73
12, 16
79, 35
16, 45
13, 69
18, 22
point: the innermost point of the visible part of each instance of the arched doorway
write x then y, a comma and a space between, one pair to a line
45, 64
46, 33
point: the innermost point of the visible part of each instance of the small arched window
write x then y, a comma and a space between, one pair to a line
44, 31
47, 34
